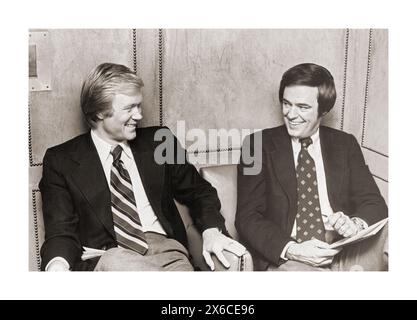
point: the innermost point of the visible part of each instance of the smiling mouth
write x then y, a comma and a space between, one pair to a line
293, 123
132, 125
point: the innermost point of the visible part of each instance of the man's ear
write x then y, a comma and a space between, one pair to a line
100, 116
322, 115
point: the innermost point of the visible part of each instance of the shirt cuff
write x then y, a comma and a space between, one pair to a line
360, 222
284, 251
57, 259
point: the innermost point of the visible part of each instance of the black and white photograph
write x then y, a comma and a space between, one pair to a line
255, 154
312, 124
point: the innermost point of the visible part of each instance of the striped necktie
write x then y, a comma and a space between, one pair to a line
127, 225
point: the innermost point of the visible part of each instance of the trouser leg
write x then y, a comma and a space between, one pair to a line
368, 255
164, 254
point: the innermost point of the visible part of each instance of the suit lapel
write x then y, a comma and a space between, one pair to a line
151, 174
90, 178
283, 164
333, 161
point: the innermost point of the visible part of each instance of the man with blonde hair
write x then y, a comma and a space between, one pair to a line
104, 192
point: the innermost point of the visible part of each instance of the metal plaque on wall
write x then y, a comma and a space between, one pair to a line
39, 61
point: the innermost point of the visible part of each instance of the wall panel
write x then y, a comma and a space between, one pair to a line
148, 66
56, 114
375, 135
230, 78
378, 165
366, 107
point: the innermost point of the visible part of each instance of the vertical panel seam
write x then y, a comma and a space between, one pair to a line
36, 227
134, 52
31, 162
344, 79
160, 73
368, 74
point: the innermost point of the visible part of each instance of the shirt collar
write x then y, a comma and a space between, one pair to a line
104, 148
314, 137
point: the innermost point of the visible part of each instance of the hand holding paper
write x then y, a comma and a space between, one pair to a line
361, 235
342, 224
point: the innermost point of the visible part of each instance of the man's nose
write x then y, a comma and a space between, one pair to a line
292, 113
137, 113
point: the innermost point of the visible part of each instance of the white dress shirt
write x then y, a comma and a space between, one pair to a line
147, 216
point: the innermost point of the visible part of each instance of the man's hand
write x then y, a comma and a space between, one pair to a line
314, 252
343, 224
215, 242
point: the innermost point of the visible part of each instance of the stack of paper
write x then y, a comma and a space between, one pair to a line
364, 234
90, 253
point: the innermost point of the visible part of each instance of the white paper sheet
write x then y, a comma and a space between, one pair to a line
364, 234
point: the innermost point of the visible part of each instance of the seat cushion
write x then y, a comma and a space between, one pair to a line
224, 179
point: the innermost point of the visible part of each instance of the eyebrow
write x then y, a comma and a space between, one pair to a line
303, 105
297, 104
133, 105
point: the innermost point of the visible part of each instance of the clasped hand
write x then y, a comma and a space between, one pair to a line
343, 225
318, 253
215, 242
313, 252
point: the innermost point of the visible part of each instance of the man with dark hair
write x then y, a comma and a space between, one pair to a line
107, 204
314, 187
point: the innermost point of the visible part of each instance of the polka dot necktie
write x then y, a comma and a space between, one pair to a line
127, 226
308, 220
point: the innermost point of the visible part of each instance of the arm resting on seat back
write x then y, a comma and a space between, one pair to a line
223, 178
195, 247
217, 243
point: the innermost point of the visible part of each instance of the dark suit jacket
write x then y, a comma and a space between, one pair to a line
76, 197
267, 203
